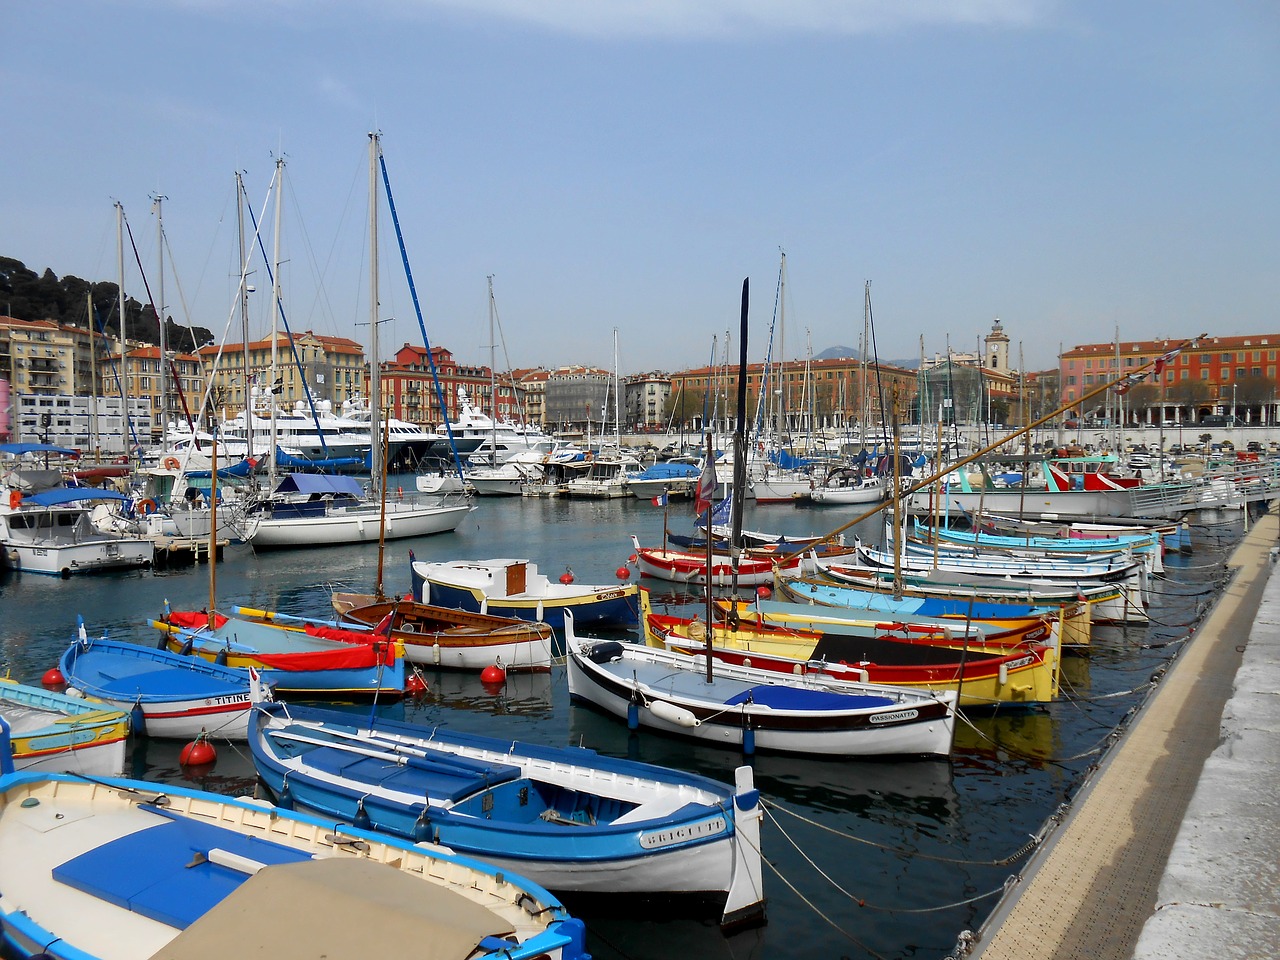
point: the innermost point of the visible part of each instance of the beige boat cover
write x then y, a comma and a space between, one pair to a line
335, 909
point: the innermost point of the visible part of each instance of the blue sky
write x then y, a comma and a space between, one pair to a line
1073, 168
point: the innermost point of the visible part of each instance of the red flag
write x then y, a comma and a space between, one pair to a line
708, 488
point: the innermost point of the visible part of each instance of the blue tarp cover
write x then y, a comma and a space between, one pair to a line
319, 483
61, 495
18, 449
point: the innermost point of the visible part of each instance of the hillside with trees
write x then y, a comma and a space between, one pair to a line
26, 295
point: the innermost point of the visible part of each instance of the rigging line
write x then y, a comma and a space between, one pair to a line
897, 851
417, 309
293, 344
816, 909
862, 902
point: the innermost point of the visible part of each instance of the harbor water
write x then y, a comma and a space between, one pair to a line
883, 859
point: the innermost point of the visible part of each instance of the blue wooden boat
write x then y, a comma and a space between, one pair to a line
166, 694
566, 817
314, 662
108, 869
61, 734
514, 588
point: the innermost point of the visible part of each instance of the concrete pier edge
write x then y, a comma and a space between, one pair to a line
1170, 848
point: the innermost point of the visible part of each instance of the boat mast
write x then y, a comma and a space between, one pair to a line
124, 364
617, 419
94, 443
164, 344
275, 324
377, 466
493, 380
247, 377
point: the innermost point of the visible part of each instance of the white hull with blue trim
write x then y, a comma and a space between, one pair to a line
568, 818
127, 870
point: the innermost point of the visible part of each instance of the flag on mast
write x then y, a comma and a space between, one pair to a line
708, 488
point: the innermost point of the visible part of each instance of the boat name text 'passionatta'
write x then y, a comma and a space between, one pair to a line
898, 716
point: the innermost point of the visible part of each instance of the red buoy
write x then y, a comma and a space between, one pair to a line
632, 559
763, 592
623, 573
415, 684
53, 679
567, 577
493, 674
198, 753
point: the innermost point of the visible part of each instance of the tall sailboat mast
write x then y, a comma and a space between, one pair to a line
164, 345
377, 454
275, 324
493, 379
247, 375
124, 362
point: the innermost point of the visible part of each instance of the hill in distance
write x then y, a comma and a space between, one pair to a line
850, 353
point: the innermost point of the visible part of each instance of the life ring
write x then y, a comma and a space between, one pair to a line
15, 499
172, 463
147, 507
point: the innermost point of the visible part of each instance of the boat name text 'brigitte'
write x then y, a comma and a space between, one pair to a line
693, 831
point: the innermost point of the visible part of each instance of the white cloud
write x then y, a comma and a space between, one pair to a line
696, 19
684, 19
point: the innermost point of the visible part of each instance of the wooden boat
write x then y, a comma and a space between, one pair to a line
566, 818
1173, 535
980, 673
746, 707
111, 869
515, 588
1144, 546
454, 639
60, 734
1071, 622
1124, 573
166, 694
1108, 602
690, 566
313, 661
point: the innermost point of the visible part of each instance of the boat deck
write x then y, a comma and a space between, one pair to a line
1113, 868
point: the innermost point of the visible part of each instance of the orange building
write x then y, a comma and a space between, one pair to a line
1219, 377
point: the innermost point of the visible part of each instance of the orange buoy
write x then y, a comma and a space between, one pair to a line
763, 592
198, 753
623, 573
53, 679
567, 577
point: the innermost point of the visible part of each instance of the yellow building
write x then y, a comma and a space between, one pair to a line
332, 368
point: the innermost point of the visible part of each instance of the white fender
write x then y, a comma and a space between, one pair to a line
672, 714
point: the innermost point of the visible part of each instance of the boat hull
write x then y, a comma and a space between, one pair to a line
752, 709
59, 734
568, 819
514, 588
166, 696
123, 870
355, 526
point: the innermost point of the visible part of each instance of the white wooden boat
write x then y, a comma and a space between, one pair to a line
567, 818
749, 708
166, 694
512, 587
106, 869
57, 733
